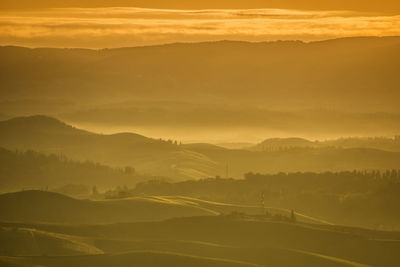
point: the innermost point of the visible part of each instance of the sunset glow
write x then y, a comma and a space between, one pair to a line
200, 133
125, 26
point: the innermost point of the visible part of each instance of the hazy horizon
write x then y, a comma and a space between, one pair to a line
222, 133
217, 136
111, 27
270, 89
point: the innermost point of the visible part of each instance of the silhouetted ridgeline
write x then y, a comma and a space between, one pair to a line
367, 198
336, 88
346, 73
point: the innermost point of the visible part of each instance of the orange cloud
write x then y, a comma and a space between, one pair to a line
115, 27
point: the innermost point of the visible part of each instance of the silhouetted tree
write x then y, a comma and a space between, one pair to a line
292, 216
95, 192
129, 170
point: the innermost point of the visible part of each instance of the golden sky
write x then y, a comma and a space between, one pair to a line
128, 26
386, 6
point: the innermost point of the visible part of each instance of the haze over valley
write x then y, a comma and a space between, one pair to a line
232, 91
199, 133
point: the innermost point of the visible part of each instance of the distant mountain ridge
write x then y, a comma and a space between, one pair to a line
339, 87
255, 73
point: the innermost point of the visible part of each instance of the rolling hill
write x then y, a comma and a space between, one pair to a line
186, 161
32, 242
47, 229
299, 159
260, 242
357, 198
146, 155
145, 258
29, 169
381, 143
42, 206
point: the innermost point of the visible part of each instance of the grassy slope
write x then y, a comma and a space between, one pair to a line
125, 149
128, 259
245, 239
155, 258
20, 241
300, 159
41, 206
260, 242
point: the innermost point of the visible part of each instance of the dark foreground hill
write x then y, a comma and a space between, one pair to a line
212, 241
146, 258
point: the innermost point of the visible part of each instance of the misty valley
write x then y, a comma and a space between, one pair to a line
199, 133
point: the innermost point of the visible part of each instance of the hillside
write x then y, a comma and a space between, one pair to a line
357, 198
27, 170
200, 133
179, 162
42, 206
299, 159
260, 242
145, 258
146, 155
381, 143
156, 259
17, 241
44, 131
